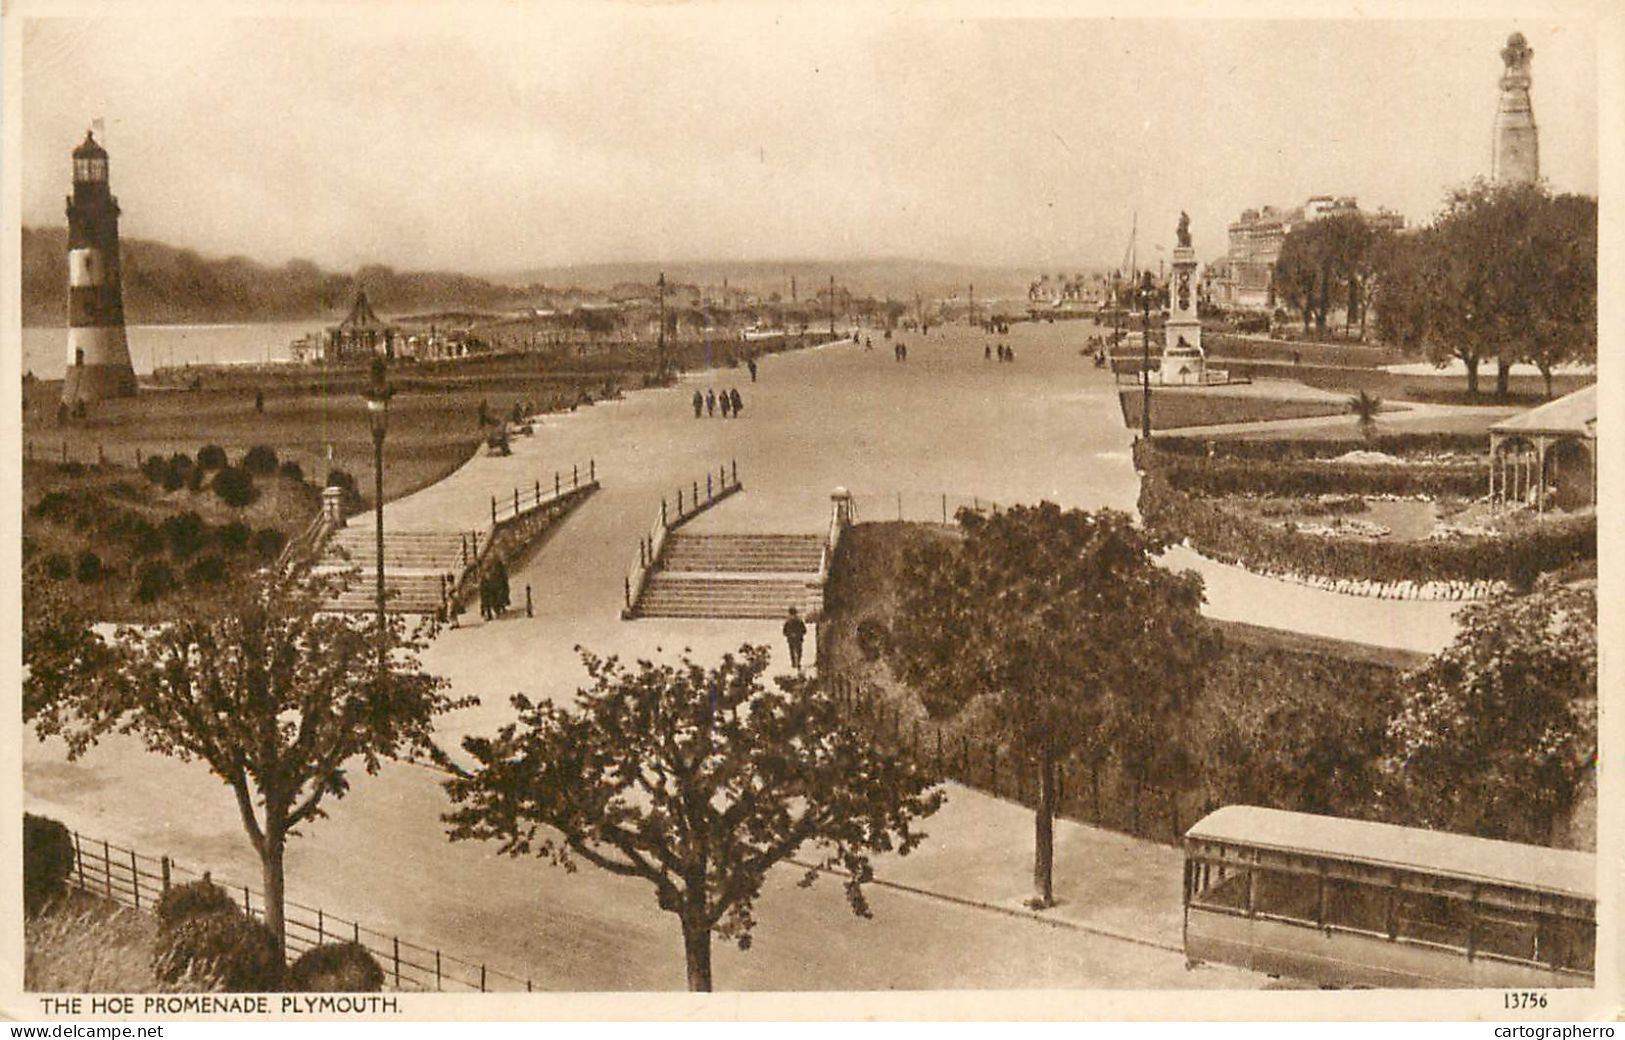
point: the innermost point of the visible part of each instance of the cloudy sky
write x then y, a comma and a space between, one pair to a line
543, 134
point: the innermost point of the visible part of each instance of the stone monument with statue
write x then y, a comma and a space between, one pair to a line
1183, 360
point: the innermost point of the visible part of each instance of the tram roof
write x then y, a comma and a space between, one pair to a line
1389, 845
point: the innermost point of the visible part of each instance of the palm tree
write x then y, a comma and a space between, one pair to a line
1365, 408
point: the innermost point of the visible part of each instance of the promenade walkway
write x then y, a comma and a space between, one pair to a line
944, 422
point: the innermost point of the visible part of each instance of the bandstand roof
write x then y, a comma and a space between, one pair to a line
361, 315
1573, 415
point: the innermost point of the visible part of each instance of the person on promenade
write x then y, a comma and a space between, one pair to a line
710, 402
795, 630
499, 588
485, 597
987, 352
868, 343
699, 403
727, 404
737, 401
750, 363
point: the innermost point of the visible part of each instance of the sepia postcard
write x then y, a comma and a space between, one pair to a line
951, 510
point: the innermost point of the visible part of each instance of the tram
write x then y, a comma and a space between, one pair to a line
1351, 903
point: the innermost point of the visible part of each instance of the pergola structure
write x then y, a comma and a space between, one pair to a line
1555, 444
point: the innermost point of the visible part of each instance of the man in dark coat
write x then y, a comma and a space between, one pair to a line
795, 631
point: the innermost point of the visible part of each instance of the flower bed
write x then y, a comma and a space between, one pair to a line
1452, 568
1405, 445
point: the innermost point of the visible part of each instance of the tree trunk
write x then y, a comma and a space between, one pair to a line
1472, 374
1546, 374
271, 871
1503, 377
697, 949
1044, 827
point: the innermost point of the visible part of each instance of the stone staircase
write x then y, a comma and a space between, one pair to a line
415, 566
735, 576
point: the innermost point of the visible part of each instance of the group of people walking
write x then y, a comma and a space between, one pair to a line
1005, 353
900, 351
706, 404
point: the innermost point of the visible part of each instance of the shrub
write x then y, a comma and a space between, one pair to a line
58, 567
47, 859
144, 537
194, 479
184, 533
211, 456
234, 487
207, 570
88, 569
267, 543
240, 952
260, 460
291, 470
56, 505
155, 468
336, 968
234, 536
153, 581
177, 471
193, 899
874, 638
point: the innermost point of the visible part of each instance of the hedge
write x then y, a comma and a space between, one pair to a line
238, 953
336, 968
193, 899
1260, 545
1229, 476
1401, 444
47, 860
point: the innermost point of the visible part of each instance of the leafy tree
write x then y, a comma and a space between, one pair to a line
260, 460
1497, 732
1296, 281
234, 486
1064, 620
279, 699
1507, 273
1323, 260
211, 456
696, 780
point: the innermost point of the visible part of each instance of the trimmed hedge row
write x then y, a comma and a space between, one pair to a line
1325, 447
1263, 547
47, 860
1230, 476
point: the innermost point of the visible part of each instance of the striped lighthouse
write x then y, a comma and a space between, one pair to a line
98, 354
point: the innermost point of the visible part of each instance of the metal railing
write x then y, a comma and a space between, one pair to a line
718, 486
916, 506
136, 880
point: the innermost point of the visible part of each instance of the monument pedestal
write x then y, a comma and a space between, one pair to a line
1183, 360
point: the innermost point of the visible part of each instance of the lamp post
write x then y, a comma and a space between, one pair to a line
1148, 291
377, 397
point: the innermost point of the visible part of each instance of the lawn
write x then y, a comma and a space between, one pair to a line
1172, 410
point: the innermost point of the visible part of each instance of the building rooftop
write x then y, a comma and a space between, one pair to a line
1572, 415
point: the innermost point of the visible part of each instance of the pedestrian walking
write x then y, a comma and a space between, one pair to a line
710, 402
750, 363
727, 404
987, 352
795, 630
499, 587
738, 402
485, 597
699, 403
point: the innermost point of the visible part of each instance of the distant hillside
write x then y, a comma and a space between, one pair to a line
164, 285
898, 278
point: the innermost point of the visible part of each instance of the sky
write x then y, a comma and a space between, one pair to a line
531, 135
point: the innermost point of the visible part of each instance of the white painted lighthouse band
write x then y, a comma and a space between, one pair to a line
98, 353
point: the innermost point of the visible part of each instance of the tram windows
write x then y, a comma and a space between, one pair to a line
1357, 905
1293, 896
1570, 944
1432, 918
1504, 932
1221, 887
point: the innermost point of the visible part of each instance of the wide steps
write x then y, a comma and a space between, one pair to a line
669, 595
734, 554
